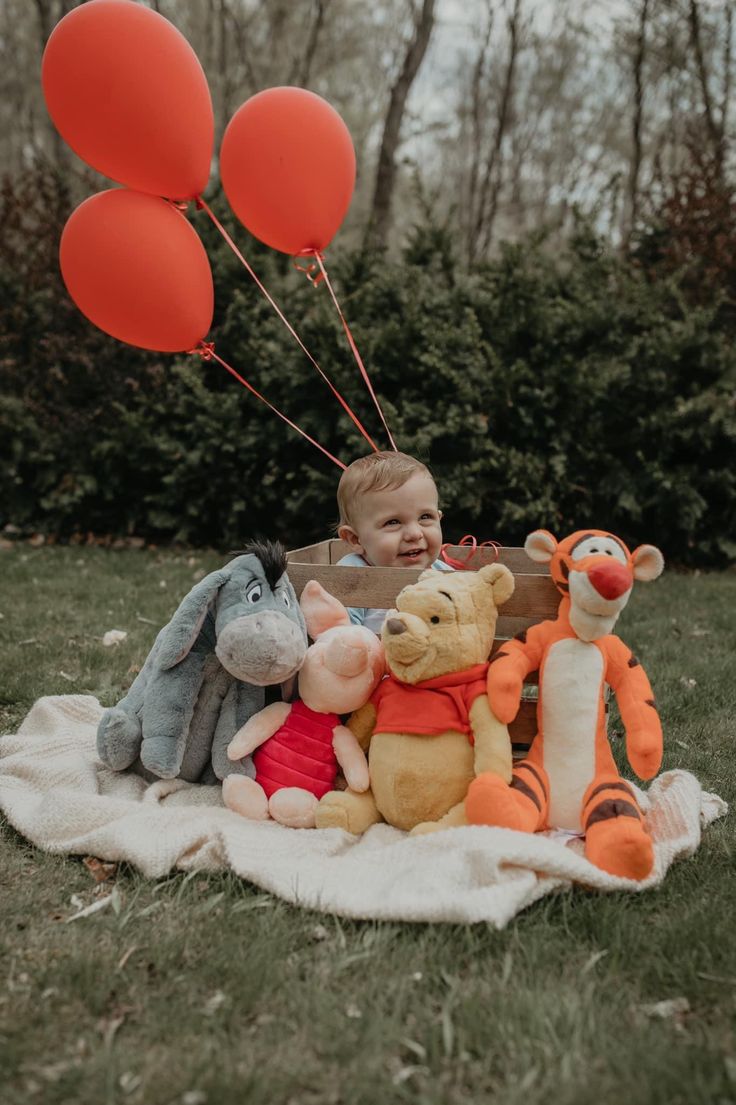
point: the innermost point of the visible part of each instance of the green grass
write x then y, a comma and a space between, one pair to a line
203, 989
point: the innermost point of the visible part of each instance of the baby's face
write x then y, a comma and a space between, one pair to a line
400, 527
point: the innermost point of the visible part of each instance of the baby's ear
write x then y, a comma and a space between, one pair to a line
350, 537
320, 609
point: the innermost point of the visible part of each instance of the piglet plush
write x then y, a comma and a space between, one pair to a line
297, 746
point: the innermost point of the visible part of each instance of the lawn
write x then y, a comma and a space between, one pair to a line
203, 990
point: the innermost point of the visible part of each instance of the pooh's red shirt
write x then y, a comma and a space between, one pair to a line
431, 707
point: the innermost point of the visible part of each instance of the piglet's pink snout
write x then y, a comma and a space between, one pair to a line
346, 656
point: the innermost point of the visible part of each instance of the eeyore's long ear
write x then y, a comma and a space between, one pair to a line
182, 631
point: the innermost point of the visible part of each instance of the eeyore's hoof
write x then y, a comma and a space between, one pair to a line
118, 738
161, 757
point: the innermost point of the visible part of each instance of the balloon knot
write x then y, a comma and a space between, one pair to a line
204, 349
180, 205
470, 543
199, 203
312, 270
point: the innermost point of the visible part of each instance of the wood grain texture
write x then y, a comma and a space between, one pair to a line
535, 597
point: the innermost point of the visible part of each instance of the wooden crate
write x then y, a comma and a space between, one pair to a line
535, 598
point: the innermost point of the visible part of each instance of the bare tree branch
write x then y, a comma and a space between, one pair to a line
714, 131
636, 121
493, 176
378, 225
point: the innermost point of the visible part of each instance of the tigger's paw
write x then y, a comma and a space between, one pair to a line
622, 847
491, 801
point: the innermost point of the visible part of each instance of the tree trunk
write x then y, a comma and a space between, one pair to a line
380, 217
493, 176
636, 151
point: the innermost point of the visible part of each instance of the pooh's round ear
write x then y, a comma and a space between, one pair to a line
321, 611
648, 562
501, 581
540, 546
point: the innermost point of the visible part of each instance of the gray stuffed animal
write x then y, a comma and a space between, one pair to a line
239, 630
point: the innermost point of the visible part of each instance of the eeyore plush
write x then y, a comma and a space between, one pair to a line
239, 630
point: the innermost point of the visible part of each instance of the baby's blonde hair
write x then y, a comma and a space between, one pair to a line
376, 472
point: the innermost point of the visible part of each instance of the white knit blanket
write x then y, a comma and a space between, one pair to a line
54, 791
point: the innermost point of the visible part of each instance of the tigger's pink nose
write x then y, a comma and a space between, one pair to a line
610, 578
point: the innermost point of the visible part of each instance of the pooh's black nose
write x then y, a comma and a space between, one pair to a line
395, 626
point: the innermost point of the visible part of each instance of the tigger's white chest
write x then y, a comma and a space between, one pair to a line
571, 689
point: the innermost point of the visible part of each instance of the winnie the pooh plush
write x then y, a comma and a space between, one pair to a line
428, 726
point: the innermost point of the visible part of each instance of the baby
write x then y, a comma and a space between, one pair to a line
390, 518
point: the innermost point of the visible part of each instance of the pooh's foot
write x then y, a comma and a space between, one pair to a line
621, 846
245, 796
119, 738
453, 819
347, 810
491, 801
294, 807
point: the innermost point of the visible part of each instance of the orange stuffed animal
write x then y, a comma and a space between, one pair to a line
569, 779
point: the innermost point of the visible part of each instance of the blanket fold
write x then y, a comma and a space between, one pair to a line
55, 792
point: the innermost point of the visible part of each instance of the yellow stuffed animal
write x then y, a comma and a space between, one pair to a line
428, 726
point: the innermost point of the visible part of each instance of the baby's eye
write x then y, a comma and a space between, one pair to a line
392, 522
427, 516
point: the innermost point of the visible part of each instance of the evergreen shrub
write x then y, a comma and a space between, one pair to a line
562, 391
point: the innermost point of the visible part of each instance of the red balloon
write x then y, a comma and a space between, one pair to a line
136, 268
287, 165
126, 91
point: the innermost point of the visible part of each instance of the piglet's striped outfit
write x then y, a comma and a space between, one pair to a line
299, 754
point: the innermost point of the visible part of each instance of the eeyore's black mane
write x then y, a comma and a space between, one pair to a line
272, 556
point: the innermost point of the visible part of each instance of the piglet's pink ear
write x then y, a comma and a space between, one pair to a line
540, 546
648, 562
321, 611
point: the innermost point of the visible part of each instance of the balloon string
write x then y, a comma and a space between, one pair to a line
206, 350
353, 346
467, 542
202, 205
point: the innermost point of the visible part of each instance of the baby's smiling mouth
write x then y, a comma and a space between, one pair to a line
412, 553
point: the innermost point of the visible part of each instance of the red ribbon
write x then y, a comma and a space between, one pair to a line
201, 205
468, 542
310, 271
316, 280
206, 350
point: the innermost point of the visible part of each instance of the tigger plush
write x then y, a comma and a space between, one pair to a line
569, 779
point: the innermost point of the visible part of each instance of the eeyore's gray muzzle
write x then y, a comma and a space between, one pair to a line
263, 648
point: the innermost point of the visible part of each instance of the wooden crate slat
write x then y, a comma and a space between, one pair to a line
523, 728
535, 596
332, 550
310, 554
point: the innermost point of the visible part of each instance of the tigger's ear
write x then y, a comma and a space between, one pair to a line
648, 562
540, 546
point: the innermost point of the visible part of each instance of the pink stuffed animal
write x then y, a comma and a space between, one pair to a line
297, 746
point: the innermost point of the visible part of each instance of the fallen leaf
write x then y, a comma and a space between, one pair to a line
194, 1097
688, 682
213, 1004
676, 1008
37, 540
113, 637
99, 871
101, 903
319, 932
29, 641
69, 678
353, 1012
147, 621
